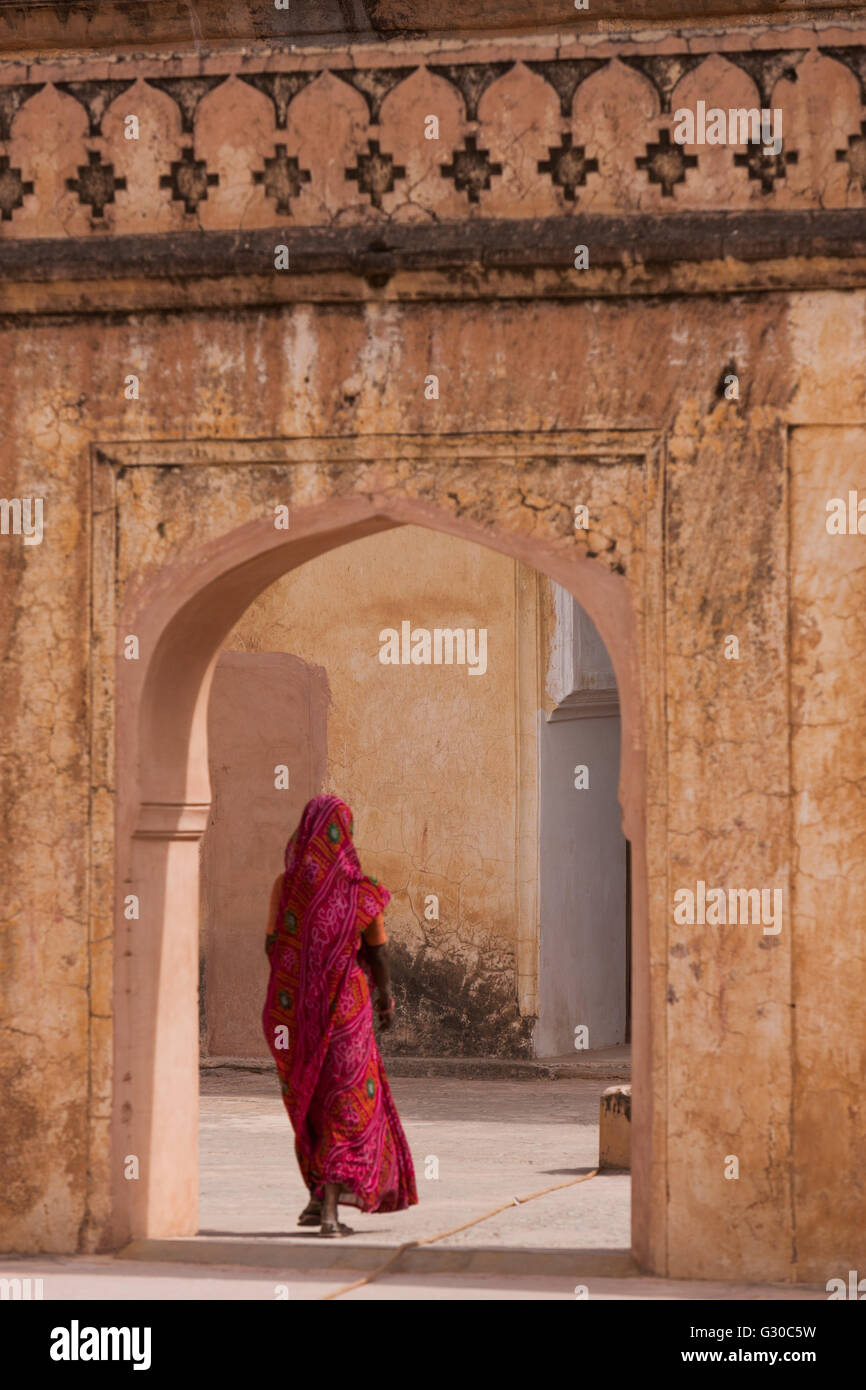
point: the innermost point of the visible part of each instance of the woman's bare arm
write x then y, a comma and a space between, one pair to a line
380, 968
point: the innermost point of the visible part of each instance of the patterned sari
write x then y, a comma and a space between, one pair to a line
318, 1019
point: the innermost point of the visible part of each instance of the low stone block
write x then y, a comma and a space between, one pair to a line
614, 1129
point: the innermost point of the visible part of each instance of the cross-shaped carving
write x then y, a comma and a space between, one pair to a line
666, 163
471, 169
282, 178
375, 173
568, 166
189, 180
96, 184
763, 166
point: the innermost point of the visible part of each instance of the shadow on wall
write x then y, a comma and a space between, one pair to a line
444, 1010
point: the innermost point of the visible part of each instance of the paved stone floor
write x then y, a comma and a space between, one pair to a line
493, 1140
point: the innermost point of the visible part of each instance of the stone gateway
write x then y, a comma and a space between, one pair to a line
146, 248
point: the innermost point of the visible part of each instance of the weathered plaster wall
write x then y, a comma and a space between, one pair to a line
733, 1072
425, 756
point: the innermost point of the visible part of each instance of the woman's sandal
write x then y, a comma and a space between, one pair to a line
312, 1213
332, 1229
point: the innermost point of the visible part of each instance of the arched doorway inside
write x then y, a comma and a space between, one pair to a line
445, 755
446, 691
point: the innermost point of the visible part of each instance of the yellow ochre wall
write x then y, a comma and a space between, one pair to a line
425, 755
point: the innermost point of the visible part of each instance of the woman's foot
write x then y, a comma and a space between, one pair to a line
333, 1229
331, 1225
312, 1213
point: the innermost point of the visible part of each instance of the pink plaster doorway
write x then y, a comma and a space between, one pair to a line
181, 616
266, 709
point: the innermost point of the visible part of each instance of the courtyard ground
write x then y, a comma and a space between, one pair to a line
476, 1144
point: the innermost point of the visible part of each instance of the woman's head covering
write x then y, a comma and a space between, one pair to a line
322, 863
326, 901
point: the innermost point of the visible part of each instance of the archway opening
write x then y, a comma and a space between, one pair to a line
455, 698
165, 802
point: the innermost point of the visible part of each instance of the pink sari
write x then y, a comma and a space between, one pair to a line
318, 1020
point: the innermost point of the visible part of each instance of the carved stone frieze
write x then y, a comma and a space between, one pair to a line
334, 145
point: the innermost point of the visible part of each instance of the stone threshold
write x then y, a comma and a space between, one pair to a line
241, 1251
613, 1064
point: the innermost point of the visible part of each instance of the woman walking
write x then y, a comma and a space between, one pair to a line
318, 1022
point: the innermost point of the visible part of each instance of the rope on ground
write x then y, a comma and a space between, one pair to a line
431, 1240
